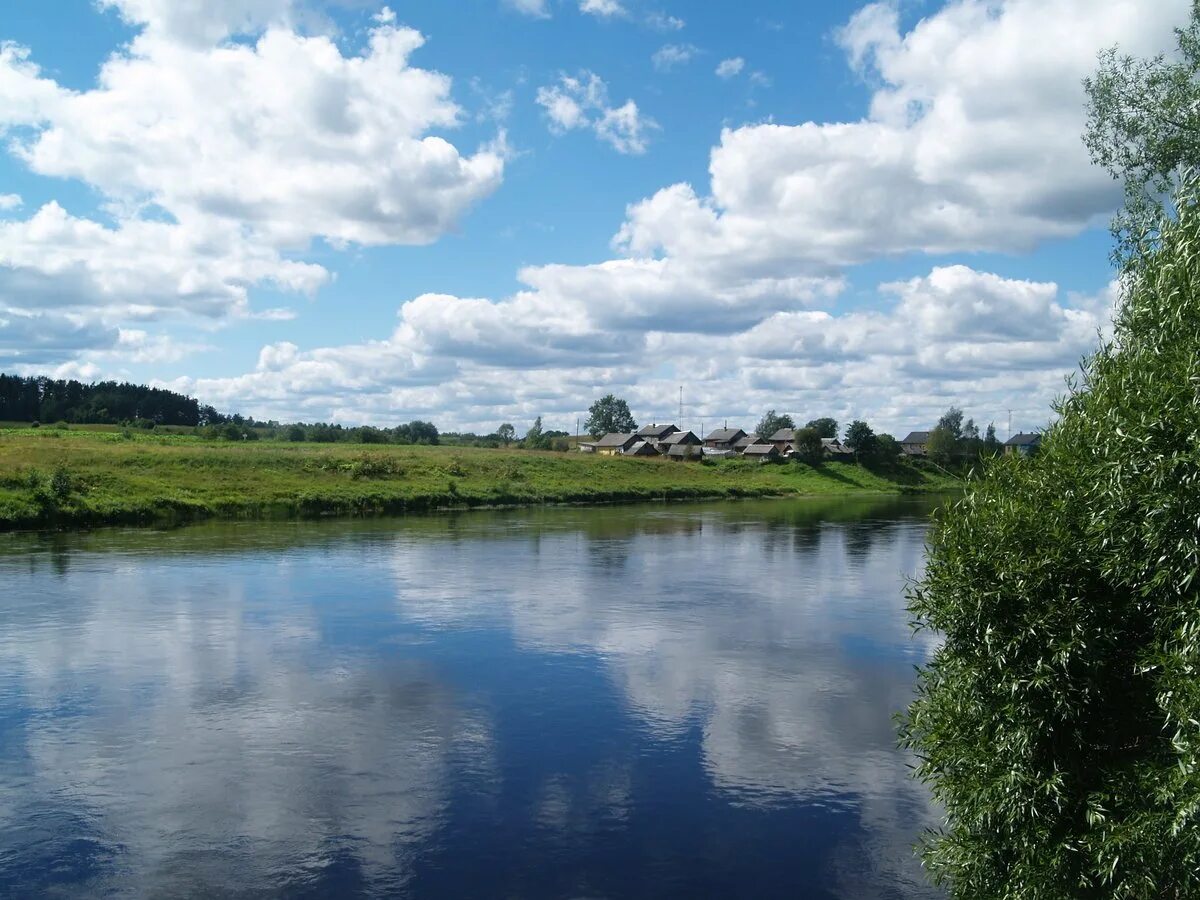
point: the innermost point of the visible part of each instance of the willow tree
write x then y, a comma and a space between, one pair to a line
1059, 722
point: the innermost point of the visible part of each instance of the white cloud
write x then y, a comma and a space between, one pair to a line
201, 22
604, 9
340, 154
582, 102
662, 22
536, 9
728, 68
218, 162
10, 201
669, 56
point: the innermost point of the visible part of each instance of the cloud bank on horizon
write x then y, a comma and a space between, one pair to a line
228, 166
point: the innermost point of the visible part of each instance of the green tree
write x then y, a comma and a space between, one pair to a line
952, 422
826, 427
1144, 126
506, 433
1057, 721
887, 448
861, 439
943, 446
771, 423
991, 445
535, 438
609, 414
808, 446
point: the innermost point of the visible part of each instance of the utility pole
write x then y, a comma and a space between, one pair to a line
1010, 423
681, 406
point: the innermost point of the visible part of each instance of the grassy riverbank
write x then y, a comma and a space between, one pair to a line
52, 478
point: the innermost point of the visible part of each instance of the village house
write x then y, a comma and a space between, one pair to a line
724, 439
655, 432
686, 438
745, 441
1022, 444
642, 448
783, 439
835, 449
916, 444
761, 452
615, 444
683, 451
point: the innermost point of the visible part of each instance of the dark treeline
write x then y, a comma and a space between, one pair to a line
106, 403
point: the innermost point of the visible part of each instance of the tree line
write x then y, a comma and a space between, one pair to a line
40, 399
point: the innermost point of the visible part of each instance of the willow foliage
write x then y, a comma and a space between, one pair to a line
1059, 723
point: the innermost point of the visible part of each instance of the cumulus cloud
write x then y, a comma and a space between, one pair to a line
219, 162
669, 56
741, 346
10, 201
728, 68
603, 9
582, 102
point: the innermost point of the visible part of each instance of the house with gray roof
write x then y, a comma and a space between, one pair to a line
642, 448
682, 451
724, 438
615, 443
1024, 444
762, 452
916, 444
687, 438
655, 432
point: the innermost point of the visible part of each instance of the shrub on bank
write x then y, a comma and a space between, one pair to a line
1059, 723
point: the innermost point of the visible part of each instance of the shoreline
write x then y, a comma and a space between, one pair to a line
69, 481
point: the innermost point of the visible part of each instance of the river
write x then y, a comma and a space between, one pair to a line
642, 701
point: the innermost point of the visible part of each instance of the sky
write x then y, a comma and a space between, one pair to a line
491, 210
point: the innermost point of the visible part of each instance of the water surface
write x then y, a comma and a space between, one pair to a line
689, 700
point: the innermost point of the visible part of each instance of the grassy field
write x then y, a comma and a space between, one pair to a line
51, 478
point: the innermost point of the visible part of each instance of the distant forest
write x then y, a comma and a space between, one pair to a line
104, 403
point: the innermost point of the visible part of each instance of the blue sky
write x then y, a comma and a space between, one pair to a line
496, 209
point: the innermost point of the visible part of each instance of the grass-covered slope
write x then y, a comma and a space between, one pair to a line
51, 478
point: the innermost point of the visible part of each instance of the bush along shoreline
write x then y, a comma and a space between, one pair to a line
71, 479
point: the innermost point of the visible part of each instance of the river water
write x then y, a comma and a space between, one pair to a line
645, 701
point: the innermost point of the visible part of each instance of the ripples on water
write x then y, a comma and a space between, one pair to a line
640, 701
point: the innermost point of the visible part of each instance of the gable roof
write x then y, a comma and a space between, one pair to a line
656, 431
746, 440
615, 439
917, 437
681, 437
760, 450
784, 434
642, 448
725, 435
1024, 440
684, 450
833, 445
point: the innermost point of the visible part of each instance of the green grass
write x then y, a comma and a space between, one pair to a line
111, 478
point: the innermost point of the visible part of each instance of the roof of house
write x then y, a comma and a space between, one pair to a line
784, 434
725, 435
761, 450
656, 431
917, 437
682, 450
1023, 440
681, 437
833, 445
747, 440
642, 448
615, 439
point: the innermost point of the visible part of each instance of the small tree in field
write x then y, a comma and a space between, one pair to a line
1059, 722
506, 433
609, 414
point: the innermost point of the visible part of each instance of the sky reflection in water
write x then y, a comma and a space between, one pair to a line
653, 701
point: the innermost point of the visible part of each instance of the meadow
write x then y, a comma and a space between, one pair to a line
61, 478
